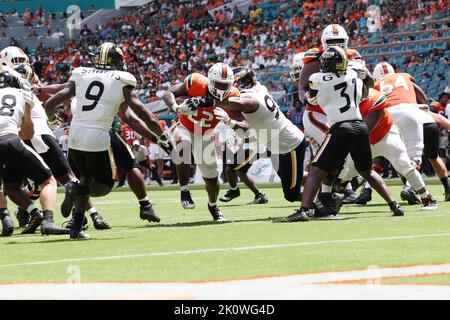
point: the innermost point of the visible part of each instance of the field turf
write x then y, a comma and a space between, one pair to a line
188, 246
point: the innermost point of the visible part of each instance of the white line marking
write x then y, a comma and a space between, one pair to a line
211, 250
302, 286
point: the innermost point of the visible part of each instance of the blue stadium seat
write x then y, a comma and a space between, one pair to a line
440, 45
384, 49
372, 51
411, 47
398, 48
426, 46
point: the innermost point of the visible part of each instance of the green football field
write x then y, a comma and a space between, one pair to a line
188, 246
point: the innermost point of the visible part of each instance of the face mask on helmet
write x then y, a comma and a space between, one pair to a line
334, 35
26, 71
220, 81
11, 56
244, 78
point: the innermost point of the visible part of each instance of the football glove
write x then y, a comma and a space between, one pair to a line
223, 116
165, 143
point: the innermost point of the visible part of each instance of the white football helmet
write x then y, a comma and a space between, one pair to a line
11, 56
382, 69
297, 66
334, 35
220, 80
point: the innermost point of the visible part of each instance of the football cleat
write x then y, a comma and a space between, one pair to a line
447, 195
35, 222
7, 225
216, 213
22, 216
364, 197
149, 214
396, 209
349, 197
186, 200
69, 224
230, 195
50, 228
329, 203
409, 195
298, 215
78, 235
99, 223
260, 198
429, 203
69, 198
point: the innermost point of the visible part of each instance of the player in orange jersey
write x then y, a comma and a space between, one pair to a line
385, 141
195, 130
420, 133
314, 119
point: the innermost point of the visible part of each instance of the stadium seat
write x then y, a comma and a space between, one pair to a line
439, 45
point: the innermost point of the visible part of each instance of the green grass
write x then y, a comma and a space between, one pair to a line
182, 230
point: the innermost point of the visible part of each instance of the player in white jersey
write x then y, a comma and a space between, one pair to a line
46, 145
338, 90
100, 92
273, 130
15, 114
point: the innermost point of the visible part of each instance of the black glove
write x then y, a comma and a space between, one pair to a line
199, 102
165, 143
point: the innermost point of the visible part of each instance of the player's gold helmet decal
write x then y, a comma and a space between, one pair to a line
109, 56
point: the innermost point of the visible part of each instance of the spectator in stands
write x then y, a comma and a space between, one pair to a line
33, 33
91, 8
85, 31
296, 115
27, 16
57, 34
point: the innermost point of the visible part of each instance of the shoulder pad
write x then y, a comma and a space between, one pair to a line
128, 78
76, 74
353, 54
311, 55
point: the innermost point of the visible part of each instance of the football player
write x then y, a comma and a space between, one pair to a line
314, 119
7, 223
271, 128
195, 131
100, 91
419, 133
338, 91
241, 150
16, 123
385, 141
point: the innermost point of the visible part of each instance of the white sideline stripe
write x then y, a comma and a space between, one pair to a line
245, 248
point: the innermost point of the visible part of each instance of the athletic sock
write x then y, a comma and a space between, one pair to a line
257, 193
184, 188
424, 195
144, 203
48, 215
234, 188
92, 210
444, 182
31, 208
326, 189
367, 185
348, 186
212, 204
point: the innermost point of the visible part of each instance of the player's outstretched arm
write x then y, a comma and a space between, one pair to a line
50, 89
130, 118
240, 104
58, 98
133, 101
171, 95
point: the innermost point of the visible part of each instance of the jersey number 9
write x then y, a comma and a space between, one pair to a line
95, 97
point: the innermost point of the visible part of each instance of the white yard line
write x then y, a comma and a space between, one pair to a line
214, 250
302, 286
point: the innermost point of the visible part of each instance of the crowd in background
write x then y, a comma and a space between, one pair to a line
164, 40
